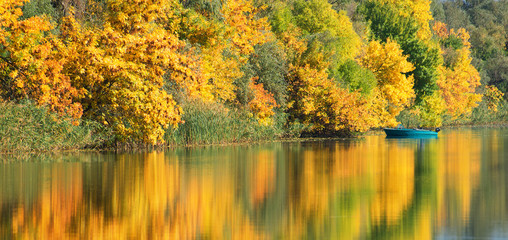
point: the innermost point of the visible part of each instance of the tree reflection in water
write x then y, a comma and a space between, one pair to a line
357, 189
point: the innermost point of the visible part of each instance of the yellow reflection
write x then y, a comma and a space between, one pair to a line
394, 183
459, 173
356, 190
50, 216
263, 177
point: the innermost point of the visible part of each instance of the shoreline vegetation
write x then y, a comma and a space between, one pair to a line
126, 74
51, 133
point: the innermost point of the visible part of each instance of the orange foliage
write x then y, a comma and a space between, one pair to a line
440, 29
262, 104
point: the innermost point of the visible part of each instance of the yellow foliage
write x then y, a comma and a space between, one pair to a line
463, 35
318, 101
242, 32
345, 30
390, 66
121, 77
419, 10
431, 109
28, 56
221, 72
492, 96
244, 29
134, 16
458, 83
292, 43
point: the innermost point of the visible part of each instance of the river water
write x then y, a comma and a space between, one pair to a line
453, 187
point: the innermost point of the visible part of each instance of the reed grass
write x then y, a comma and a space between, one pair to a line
214, 124
27, 127
481, 115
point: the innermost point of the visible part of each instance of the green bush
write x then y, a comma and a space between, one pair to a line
355, 77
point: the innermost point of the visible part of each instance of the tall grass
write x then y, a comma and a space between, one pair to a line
214, 124
481, 115
27, 127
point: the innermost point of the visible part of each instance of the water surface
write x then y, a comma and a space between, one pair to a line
453, 187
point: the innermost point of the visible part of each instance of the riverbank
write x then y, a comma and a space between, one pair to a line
29, 128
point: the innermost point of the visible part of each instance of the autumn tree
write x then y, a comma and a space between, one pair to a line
325, 90
493, 97
387, 22
430, 111
458, 78
419, 10
29, 65
119, 69
487, 25
226, 35
319, 102
390, 66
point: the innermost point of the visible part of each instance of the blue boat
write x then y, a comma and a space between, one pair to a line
401, 132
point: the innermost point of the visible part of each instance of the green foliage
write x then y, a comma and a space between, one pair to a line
497, 69
325, 30
386, 23
425, 60
356, 77
482, 114
452, 41
40, 7
27, 127
438, 13
269, 66
315, 16
281, 20
455, 14
450, 57
208, 8
242, 91
322, 47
